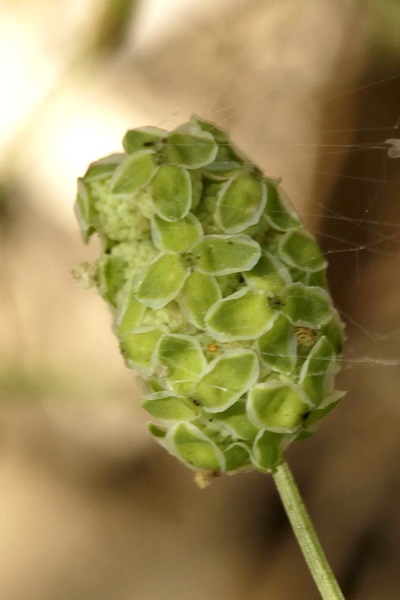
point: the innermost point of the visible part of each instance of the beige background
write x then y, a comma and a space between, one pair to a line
90, 508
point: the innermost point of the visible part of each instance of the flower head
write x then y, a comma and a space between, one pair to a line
218, 295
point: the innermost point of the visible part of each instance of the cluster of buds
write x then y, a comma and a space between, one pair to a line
218, 295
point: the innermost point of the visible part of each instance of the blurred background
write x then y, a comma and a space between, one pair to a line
90, 507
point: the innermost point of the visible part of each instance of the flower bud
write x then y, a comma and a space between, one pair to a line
218, 295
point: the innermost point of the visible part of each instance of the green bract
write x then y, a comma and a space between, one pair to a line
218, 295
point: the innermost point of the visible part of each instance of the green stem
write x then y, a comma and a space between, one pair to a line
305, 534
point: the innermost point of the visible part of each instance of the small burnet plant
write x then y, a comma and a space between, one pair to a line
219, 300
218, 295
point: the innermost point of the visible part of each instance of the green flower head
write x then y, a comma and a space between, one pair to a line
218, 295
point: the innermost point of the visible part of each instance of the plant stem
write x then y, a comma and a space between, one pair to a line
305, 534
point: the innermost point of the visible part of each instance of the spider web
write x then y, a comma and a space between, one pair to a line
357, 222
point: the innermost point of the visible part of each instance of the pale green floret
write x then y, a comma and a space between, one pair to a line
169, 318
268, 275
299, 249
235, 422
130, 312
103, 168
306, 306
199, 293
190, 147
137, 255
178, 236
318, 371
226, 379
144, 203
83, 210
171, 190
137, 348
218, 296
277, 406
169, 407
279, 211
197, 187
179, 360
240, 203
117, 218
188, 443
237, 456
224, 254
142, 137
278, 346
133, 173
241, 316
161, 281
267, 450
229, 284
